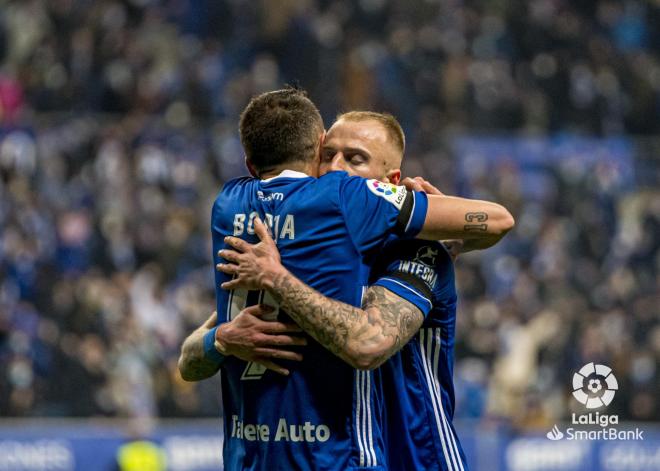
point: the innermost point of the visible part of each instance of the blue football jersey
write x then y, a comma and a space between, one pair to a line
417, 384
325, 415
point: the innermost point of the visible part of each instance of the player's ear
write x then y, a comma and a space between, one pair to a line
393, 176
251, 168
319, 149
317, 156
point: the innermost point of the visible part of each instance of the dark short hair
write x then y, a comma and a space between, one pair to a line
279, 127
388, 121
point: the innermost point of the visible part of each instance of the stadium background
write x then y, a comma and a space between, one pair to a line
118, 125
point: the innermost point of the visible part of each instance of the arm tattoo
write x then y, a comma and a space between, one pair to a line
398, 320
478, 217
193, 365
377, 331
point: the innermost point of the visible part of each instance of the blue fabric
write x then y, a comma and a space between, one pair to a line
408, 292
325, 414
417, 381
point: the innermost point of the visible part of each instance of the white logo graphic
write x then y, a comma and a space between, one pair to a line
555, 433
270, 196
426, 255
392, 193
599, 388
594, 386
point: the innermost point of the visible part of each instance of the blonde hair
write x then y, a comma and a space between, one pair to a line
388, 121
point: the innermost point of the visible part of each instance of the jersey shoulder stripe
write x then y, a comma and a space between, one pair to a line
407, 292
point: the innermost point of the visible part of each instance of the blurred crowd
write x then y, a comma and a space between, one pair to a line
119, 125
576, 282
539, 65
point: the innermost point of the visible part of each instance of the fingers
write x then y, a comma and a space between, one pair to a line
272, 366
264, 355
236, 243
454, 247
258, 310
282, 340
282, 328
262, 231
278, 354
427, 187
211, 321
232, 284
230, 255
411, 184
420, 184
227, 268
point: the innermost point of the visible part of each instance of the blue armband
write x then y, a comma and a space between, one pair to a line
210, 352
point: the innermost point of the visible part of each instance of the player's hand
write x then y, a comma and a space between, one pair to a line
253, 266
454, 247
419, 184
251, 338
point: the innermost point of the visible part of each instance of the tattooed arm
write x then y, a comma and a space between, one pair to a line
248, 336
483, 223
450, 217
193, 365
364, 338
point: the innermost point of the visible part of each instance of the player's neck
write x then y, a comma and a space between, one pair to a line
303, 167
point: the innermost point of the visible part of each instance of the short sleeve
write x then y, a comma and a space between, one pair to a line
374, 210
408, 291
416, 271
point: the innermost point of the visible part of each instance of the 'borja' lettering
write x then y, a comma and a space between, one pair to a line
282, 227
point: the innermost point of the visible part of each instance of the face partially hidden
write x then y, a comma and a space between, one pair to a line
361, 148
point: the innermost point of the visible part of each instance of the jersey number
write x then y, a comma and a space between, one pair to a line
239, 299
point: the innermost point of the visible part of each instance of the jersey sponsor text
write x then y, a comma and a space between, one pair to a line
306, 432
419, 270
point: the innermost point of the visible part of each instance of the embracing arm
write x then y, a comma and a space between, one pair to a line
450, 217
193, 365
364, 338
464, 224
248, 337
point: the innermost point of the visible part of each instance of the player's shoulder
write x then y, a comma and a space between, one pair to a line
339, 177
334, 178
230, 194
350, 185
331, 185
238, 183
231, 187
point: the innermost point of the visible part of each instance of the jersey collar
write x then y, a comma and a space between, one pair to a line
287, 174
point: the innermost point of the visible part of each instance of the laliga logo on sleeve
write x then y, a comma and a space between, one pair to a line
594, 386
384, 188
392, 193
